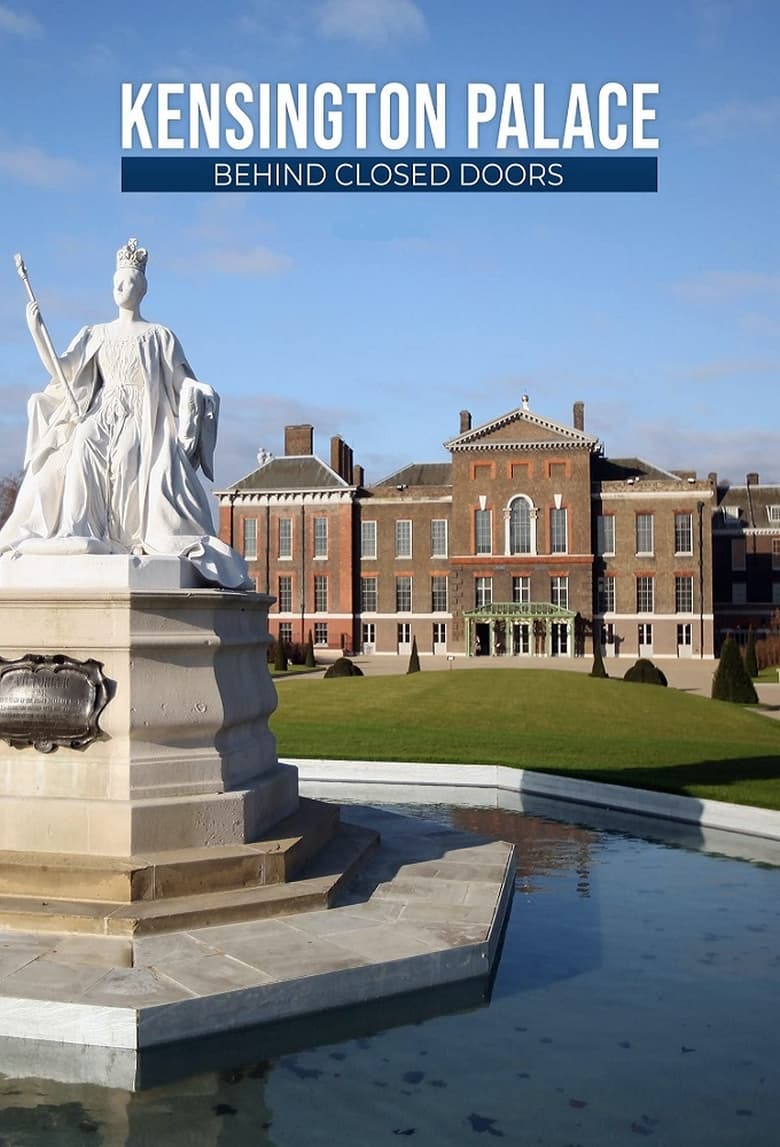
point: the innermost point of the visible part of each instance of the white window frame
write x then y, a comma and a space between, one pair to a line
483, 591
521, 498
773, 513
559, 590
440, 589
403, 633
285, 544
644, 633
321, 633
285, 632
320, 593
678, 532
403, 544
320, 531
368, 540
480, 518
443, 550
645, 591
403, 586
364, 582
249, 530
288, 587
558, 515
686, 597
521, 582
645, 517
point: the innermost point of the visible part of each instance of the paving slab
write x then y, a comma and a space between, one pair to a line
426, 910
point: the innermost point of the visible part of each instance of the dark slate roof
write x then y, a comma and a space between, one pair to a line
297, 472
421, 474
618, 469
753, 505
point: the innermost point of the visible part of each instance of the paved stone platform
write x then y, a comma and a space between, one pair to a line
426, 910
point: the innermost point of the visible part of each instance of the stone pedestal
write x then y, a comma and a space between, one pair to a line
185, 758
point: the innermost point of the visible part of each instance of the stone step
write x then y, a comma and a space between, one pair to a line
315, 887
274, 859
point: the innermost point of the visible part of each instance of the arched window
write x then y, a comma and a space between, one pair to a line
521, 537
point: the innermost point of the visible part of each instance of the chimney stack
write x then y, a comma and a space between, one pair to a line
752, 479
360, 476
298, 440
465, 421
579, 415
341, 459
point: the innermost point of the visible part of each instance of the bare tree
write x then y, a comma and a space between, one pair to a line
9, 488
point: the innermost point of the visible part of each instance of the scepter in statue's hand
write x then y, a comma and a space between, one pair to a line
22, 270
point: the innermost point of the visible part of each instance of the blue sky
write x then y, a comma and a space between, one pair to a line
379, 317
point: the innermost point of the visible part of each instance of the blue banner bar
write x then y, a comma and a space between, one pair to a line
367, 174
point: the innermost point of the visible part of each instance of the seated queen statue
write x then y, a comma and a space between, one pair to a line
120, 476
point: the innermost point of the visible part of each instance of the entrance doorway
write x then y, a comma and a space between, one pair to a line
481, 639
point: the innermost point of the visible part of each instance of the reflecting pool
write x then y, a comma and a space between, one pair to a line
637, 998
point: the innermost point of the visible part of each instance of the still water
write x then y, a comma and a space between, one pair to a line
637, 998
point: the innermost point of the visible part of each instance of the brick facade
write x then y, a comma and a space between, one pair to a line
529, 541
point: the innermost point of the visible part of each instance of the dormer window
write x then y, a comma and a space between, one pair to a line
774, 513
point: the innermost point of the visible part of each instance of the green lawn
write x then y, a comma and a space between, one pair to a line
549, 721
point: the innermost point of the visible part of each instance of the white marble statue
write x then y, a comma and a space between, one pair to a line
115, 440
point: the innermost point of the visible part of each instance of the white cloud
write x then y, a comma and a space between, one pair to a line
371, 21
731, 453
729, 368
36, 168
735, 118
722, 286
249, 422
254, 261
759, 324
20, 24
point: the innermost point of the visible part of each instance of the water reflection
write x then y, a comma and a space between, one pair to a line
637, 995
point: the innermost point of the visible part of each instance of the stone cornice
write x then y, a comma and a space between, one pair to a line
558, 444
285, 497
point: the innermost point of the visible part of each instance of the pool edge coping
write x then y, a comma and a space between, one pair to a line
745, 819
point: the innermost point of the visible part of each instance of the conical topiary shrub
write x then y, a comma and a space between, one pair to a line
731, 681
414, 658
751, 662
599, 669
309, 661
280, 657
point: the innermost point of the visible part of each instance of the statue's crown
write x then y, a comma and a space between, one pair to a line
131, 255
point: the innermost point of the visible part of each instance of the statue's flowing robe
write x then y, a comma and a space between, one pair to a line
146, 471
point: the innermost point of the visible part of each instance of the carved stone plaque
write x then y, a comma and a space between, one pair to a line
48, 701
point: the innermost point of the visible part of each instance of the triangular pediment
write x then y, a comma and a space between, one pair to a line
521, 429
